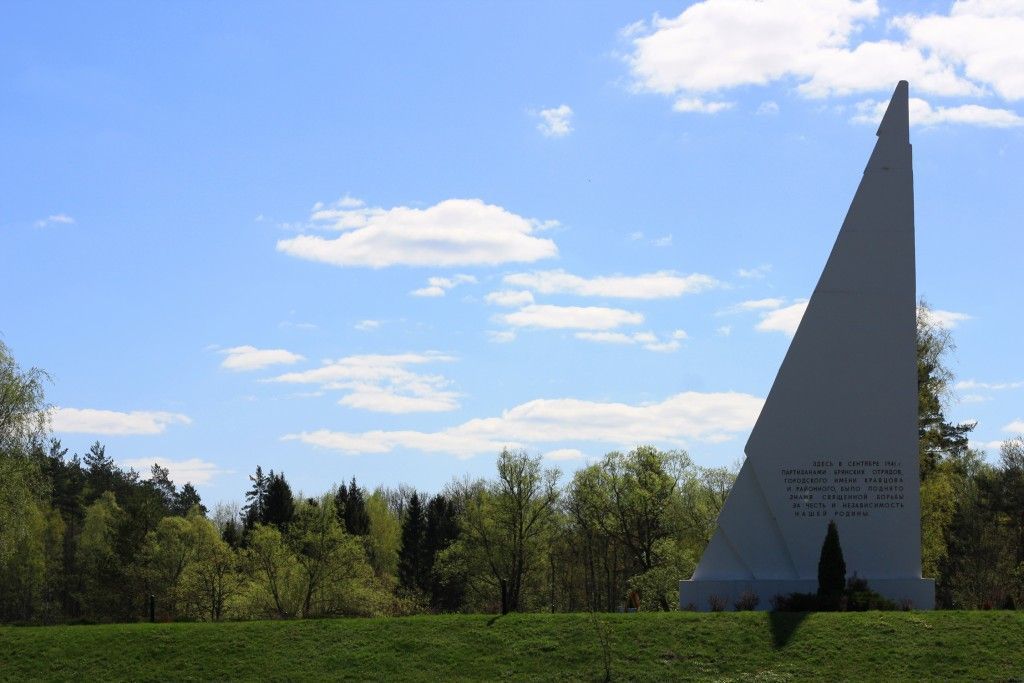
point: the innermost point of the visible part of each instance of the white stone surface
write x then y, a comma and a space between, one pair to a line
837, 437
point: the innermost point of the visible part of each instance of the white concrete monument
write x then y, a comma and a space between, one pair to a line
837, 437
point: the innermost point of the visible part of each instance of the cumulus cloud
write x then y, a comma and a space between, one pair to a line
970, 384
947, 319
696, 104
571, 317
564, 454
755, 273
192, 470
923, 114
981, 36
367, 325
113, 422
246, 358
684, 417
437, 286
509, 298
55, 219
663, 241
382, 383
501, 336
647, 340
660, 285
754, 305
1015, 426
555, 122
455, 232
784, 320
718, 45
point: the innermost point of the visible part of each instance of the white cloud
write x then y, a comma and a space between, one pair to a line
571, 317
455, 232
724, 330
755, 273
970, 384
509, 298
501, 336
245, 358
947, 319
1015, 426
367, 325
718, 45
382, 383
555, 122
663, 347
607, 337
699, 106
437, 286
663, 241
647, 340
983, 37
689, 416
113, 422
768, 108
784, 320
192, 470
755, 305
564, 454
660, 285
985, 445
57, 218
923, 114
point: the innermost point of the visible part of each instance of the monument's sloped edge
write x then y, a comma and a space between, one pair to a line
722, 557
698, 594
749, 524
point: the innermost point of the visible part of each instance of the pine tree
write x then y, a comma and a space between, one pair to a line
442, 529
279, 505
186, 499
831, 566
160, 482
410, 555
253, 512
357, 520
938, 438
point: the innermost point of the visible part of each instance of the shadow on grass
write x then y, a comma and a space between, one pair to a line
784, 625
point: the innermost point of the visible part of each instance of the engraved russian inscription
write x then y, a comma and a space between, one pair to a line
837, 488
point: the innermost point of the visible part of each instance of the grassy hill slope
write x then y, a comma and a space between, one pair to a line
727, 646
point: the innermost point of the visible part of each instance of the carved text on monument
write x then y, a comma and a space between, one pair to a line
856, 488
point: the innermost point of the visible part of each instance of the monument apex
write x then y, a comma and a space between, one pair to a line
836, 439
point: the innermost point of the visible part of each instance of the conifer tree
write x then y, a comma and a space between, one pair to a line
352, 512
186, 499
253, 512
831, 566
279, 504
410, 555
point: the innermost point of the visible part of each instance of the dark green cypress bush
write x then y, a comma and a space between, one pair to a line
831, 566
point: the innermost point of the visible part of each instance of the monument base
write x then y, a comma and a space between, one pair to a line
698, 594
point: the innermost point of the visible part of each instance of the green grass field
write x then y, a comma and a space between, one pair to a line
867, 646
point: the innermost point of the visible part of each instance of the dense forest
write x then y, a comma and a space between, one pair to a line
83, 540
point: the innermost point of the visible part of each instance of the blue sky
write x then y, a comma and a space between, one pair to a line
383, 240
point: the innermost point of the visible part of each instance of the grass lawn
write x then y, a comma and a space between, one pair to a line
870, 646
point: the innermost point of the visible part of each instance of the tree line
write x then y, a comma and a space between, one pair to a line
82, 539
